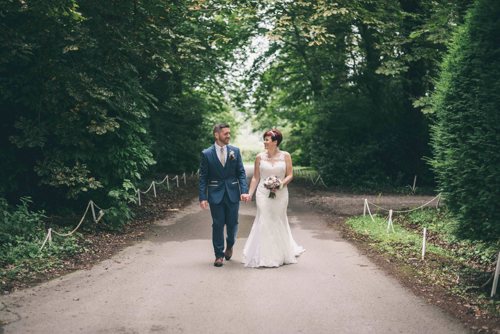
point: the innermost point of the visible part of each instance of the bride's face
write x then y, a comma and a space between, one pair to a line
269, 143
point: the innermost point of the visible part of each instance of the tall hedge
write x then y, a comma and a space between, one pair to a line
466, 135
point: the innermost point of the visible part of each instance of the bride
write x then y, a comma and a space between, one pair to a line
270, 243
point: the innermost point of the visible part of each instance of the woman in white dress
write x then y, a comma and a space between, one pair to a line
270, 243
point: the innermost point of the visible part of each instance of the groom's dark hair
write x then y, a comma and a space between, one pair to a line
219, 127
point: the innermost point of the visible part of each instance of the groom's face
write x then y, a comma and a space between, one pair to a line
223, 136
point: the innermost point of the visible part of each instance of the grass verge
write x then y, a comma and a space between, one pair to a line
461, 268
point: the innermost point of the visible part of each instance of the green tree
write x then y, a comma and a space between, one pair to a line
93, 95
350, 80
465, 136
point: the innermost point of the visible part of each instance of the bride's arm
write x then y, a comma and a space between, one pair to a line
255, 177
289, 170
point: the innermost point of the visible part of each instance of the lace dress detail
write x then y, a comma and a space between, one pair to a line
270, 243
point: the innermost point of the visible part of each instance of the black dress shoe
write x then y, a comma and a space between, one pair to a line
218, 262
228, 253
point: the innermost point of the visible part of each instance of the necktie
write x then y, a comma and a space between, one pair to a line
222, 156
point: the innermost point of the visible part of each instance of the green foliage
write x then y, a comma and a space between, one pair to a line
465, 135
21, 234
92, 96
441, 227
401, 242
349, 80
19, 223
461, 267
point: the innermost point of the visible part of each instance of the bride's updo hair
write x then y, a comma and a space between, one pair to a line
275, 135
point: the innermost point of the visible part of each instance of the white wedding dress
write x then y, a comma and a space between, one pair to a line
270, 243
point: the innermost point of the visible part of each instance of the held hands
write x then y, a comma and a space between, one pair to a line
246, 198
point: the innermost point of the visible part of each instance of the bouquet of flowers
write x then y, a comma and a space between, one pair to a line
272, 183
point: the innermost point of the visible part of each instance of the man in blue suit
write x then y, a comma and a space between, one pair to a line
223, 184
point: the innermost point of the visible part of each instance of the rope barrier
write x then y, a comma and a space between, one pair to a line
311, 175
154, 183
96, 219
165, 178
97, 216
367, 207
390, 225
405, 211
319, 179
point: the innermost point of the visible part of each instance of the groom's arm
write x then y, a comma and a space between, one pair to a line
203, 179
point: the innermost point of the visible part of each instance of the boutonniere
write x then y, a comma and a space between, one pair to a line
231, 155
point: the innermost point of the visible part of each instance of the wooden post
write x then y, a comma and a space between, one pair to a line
424, 243
495, 279
389, 222
93, 211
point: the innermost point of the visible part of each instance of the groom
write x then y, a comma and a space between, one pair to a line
223, 184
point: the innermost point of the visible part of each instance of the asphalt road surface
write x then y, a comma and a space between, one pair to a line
168, 284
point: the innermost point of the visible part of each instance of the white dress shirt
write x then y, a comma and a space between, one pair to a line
221, 154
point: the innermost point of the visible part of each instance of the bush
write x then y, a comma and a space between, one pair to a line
22, 232
465, 136
20, 229
20, 222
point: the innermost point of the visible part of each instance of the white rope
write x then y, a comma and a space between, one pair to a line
403, 211
150, 187
164, 179
79, 224
318, 180
154, 183
100, 213
90, 205
97, 206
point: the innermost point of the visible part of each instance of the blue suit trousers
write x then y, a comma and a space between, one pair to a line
224, 213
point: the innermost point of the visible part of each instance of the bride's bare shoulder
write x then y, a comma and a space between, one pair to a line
260, 155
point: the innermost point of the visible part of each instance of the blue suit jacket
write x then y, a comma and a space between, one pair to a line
216, 180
